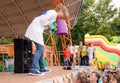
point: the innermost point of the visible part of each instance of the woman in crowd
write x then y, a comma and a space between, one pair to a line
81, 78
90, 53
83, 55
94, 77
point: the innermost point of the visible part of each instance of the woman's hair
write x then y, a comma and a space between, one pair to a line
97, 75
63, 8
117, 77
89, 44
81, 77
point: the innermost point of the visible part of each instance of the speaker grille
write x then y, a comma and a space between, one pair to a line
23, 55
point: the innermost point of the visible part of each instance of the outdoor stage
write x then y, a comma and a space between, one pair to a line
10, 77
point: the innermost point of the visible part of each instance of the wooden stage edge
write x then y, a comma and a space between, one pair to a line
10, 77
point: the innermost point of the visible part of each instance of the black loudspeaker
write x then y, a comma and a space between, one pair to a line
23, 55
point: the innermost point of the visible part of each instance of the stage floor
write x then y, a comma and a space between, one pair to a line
10, 77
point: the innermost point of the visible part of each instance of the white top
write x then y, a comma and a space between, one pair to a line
90, 52
71, 49
39, 24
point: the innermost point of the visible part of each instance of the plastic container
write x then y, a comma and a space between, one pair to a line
1, 68
61, 27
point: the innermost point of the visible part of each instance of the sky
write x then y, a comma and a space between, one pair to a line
115, 2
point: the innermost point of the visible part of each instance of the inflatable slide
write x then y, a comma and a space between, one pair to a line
105, 51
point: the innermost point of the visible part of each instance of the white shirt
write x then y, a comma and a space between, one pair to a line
90, 52
71, 49
39, 24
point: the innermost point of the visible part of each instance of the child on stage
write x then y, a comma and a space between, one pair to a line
35, 33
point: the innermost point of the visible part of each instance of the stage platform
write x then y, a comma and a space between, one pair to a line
10, 77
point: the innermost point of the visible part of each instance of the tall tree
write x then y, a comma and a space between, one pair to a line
95, 19
115, 25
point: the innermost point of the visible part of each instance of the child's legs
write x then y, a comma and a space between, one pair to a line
65, 60
41, 64
87, 60
69, 61
38, 55
83, 60
71, 58
79, 60
90, 62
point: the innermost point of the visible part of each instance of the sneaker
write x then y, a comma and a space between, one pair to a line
67, 68
45, 71
35, 73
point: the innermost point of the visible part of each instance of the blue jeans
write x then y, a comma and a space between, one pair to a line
86, 60
69, 61
38, 57
83, 60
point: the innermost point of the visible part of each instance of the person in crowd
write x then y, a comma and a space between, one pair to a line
75, 54
118, 64
86, 57
70, 46
91, 75
80, 44
90, 53
94, 77
79, 53
94, 61
81, 78
67, 56
118, 71
116, 78
78, 56
105, 79
35, 31
107, 66
83, 55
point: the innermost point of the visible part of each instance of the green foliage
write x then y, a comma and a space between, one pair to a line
96, 19
116, 26
4, 40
